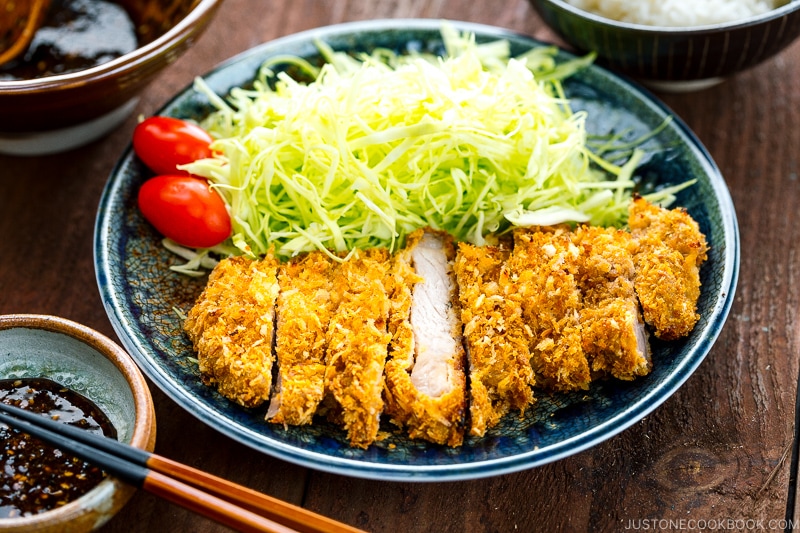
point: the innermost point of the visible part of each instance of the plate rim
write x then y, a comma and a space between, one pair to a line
404, 472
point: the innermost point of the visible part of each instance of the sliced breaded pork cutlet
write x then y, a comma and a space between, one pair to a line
544, 268
231, 328
496, 336
305, 305
358, 341
671, 249
612, 330
425, 381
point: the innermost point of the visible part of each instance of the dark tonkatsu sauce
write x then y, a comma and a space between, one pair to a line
75, 35
37, 477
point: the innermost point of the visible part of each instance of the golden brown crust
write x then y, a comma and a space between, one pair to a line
496, 336
305, 306
544, 265
556, 311
437, 419
231, 328
671, 249
613, 334
357, 344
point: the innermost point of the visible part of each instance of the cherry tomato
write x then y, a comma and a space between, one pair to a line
186, 210
162, 143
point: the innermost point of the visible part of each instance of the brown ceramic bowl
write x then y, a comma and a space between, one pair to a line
94, 366
59, 112
674, 58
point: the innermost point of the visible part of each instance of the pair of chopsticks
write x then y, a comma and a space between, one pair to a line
220, 500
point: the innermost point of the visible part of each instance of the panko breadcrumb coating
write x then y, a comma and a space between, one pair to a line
544, 265
231, 328
358, 341
497, 338
671, 249
613, 333
305, 307
553, 310
431, 406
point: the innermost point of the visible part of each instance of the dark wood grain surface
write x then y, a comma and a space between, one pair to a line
718, 451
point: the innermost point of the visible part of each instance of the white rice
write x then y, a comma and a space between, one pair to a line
677, 12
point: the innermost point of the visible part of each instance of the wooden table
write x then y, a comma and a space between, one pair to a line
718, 451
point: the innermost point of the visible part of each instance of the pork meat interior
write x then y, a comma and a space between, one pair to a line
425, 381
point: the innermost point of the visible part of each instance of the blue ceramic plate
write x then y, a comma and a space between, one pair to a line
141, 294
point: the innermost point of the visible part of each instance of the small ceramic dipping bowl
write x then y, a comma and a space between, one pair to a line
674, 59
41, 346
57, 111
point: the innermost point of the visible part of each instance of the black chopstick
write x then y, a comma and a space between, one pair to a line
221, 500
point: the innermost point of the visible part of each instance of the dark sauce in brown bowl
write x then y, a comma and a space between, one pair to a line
75, 35
36, 476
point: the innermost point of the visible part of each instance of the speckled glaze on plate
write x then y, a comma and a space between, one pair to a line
140, 293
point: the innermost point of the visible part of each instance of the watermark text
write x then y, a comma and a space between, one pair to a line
700, 524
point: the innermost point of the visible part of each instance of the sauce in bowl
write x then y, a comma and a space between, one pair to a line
37, 477
75, 35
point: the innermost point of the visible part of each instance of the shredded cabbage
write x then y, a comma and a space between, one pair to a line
378, 145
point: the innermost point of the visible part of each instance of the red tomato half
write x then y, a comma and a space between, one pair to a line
162, 143
186, 210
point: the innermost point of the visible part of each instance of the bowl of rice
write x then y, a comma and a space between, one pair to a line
675, 45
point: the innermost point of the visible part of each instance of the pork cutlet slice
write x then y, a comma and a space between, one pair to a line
425, 381
305, 306
497, 338
358, 341
612, 330
544, 267
231, 328
670, 251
